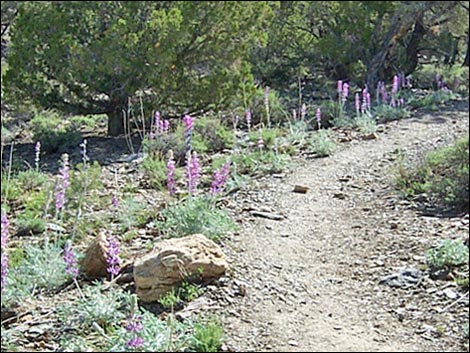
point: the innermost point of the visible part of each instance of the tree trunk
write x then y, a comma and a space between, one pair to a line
401, 23
116, 122
413, 44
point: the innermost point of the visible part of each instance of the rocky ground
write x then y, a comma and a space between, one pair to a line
342, 267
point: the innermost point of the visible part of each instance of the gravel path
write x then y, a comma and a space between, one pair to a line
311, 281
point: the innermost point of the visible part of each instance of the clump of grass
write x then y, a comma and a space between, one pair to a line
260, 162
366, 124
195, 215
104, 308
385, 112
41, 268
322, 144
444, 173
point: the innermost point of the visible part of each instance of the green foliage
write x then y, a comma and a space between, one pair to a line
277, 112
155, 172
365, 124
207, 337
210, 135
259, 162
434, 100
105, 308
322, 144
42, 268
27, 223
269, 136
168, 335
31, 180
55, 134
133, 213
195, 215
186, 292
159, 147
445, 173
183, 54
455, 77
447, 254
385, 112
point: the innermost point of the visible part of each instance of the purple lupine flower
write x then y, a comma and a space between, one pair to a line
170, 175
156, 121
345, 92
318, 116
248, 118
37, 150
402, 102
193, 171
135, 326
166, 126
112, 255
368, 101
114, 201
395, 85
339, 87
188, 122
364, 100
358, 103
4, 243
70, 260
63, 183
220, 178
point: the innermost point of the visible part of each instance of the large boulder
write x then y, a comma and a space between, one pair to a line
173, 260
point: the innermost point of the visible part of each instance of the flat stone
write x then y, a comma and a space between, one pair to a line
172, 261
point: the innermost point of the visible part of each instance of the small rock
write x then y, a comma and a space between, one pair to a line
372, 136
94, 263
301, 189
293, 343
450, 293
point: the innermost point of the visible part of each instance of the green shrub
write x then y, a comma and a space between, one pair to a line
385, 112
155, 172
207, 337
447, 254
322, 144
159, 146
210, 135
277, 112
106, 308
445, 174
42, 268
259, 162
195, 215
269, 136
55, 133
366, 124
433, 100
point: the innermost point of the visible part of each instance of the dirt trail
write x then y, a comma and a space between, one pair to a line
312, 279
